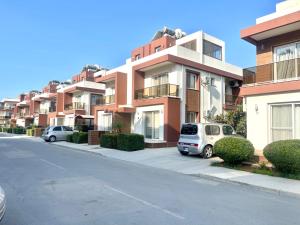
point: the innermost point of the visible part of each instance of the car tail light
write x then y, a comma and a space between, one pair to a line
194, 145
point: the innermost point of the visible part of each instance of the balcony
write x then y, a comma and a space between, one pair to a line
106, 100
273, 72
232, 101
23, 114
75, 106
157, 91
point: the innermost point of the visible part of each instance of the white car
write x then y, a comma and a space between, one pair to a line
199, 138
2, 203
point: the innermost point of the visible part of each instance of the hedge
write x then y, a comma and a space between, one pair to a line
234, 150
284, 155
130, 142
18, 130
70, 138
126, 142
80, 137
108, 140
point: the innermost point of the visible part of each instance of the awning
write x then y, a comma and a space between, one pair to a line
85, 116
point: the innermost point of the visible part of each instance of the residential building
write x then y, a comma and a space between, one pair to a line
75, 101
22, 115
272, 88
176, 78
44, 103
7, 106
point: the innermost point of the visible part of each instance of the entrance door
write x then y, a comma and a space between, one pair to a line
151, 124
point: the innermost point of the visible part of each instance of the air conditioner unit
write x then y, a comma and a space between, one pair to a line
234, 83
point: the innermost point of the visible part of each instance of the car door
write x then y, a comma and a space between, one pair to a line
212, 133
57, 132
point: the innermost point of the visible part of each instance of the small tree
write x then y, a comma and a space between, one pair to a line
236, 118
117, 127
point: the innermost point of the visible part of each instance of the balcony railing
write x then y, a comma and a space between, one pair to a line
23, 114
282, 70
105, 100
75, 106
157, 91
233, 100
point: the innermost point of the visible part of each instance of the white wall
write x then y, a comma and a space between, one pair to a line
258, 121
138, 123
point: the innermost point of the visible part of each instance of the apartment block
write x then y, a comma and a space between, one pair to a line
7, 106
272, 88
176, 78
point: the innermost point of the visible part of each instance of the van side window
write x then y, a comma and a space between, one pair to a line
212, 130
227, 130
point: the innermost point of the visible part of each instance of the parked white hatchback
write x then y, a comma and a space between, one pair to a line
199, 138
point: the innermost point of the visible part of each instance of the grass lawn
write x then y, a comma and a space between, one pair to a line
261, 170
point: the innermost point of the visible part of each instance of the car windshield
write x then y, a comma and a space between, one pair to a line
189, 129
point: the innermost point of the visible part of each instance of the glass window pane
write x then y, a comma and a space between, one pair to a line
212, 50
282, 122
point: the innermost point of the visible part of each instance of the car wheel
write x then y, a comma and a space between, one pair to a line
184, 153
52, 139
207, 152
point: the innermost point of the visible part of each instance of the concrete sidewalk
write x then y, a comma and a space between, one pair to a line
170, 159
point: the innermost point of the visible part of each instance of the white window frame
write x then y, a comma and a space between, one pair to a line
293, 104
188, 81
296, 58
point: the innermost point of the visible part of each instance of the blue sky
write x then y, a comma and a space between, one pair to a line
53, 39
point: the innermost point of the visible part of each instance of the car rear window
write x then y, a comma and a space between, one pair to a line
189, 129
212, 130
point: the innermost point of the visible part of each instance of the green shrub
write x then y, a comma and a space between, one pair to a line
130, 142
108, 140
18, 130
70, 138
80, 137
29, 132
8, 130
284, 155
234, 150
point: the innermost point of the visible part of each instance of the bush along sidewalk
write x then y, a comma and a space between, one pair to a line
284, 157
15, 130
125, 142
78, 137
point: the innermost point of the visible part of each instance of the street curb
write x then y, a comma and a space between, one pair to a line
257, 187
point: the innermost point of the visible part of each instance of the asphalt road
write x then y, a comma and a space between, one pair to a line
50, 185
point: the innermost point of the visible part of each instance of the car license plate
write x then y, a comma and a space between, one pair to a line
186, 149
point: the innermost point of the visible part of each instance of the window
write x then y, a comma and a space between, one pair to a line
106, 122
212, 130
151, 124
286, 61
157, 49
285, 122
212, 50
95, 99
57, 129
160, 79
191, 79
191, 117
189, 129
137, 57
227, 130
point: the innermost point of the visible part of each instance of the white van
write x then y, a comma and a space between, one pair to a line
199, 138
